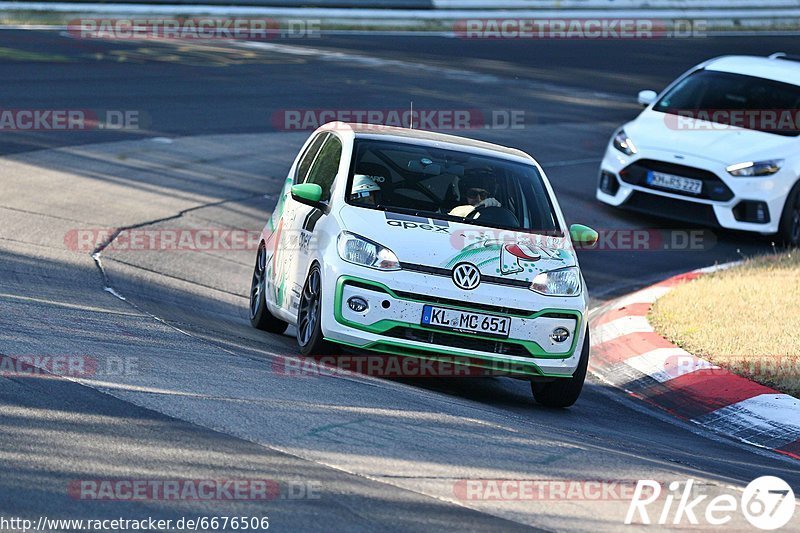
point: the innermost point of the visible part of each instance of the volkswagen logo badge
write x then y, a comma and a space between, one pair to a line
466, 276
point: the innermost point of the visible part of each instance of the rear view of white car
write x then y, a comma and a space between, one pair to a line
411, 243
719, 147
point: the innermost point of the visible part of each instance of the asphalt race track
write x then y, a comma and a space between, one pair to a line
203, 396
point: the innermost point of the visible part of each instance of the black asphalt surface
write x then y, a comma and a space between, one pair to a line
573, 94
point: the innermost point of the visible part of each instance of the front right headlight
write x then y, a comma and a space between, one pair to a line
624, 144
360, 251
564, 282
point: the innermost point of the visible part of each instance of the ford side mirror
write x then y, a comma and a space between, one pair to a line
647, 97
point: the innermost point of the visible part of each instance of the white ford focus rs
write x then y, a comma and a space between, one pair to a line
719, 147
419, 244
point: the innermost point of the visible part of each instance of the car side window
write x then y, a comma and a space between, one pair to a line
308, 158
326, 166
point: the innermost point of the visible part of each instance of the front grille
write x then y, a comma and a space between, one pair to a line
477, 344
713, 187
447, 273
662, 206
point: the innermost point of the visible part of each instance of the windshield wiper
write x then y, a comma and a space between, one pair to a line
409, 211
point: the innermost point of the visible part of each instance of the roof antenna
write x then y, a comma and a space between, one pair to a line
412, 115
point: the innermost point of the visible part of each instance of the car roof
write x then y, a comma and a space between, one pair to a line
771, 68
427, 138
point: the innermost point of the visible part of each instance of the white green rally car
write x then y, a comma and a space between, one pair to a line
426, 245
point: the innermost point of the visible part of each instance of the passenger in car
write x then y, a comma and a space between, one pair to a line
365, 191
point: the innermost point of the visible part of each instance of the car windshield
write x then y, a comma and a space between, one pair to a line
733, 99
450, 185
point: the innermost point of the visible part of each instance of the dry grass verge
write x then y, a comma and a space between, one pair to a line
745, 319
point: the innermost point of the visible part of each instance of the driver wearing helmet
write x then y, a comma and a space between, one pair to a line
364, 191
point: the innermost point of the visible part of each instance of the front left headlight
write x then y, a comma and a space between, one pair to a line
564, 282
360, 251
624, 144
752, 169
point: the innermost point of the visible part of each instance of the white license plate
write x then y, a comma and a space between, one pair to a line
465, 321
676, 183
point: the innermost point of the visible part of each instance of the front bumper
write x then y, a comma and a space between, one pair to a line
392, 324
739, 204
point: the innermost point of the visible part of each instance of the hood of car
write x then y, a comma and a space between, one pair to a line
439, 244
724, 144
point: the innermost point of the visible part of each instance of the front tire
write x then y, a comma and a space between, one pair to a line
260, 317
789, 231
309, 316
564, 392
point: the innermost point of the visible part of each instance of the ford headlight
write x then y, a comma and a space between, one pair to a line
564, 282
752, 169
360, 251
624, 144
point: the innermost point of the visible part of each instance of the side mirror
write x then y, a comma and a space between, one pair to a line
647, 97
583, 236
308, 194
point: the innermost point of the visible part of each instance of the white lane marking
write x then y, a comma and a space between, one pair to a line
665, 364
65, 305
771, 420
619, 328
115, 293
